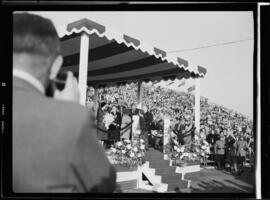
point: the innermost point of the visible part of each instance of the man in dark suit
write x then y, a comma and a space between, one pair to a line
55, 147
146, 120
179, 130
134, 110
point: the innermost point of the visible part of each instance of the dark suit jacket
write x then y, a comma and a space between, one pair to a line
219, 147
55, 148
102, 135
146, 121
134, 113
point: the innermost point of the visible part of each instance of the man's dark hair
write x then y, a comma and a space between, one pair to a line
33, 34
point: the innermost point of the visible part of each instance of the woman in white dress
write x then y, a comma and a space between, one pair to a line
125, 132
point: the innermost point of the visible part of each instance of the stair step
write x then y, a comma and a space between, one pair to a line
167, 173
159, 165
178, 186
162, 171
151, 149
153, 153
156, 160
125, 185
153, 157
193, 175
171, 178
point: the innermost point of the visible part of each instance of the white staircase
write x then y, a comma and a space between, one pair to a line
154, 183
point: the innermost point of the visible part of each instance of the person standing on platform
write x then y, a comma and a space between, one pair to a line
55, 147
146, 119
126, 126
114, 128
134, 110
154, 131
230, 143
102, 134
179, 129
210, 138
219, 150
136, 126
241, 152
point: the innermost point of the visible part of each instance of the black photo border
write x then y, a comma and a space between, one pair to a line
6, 77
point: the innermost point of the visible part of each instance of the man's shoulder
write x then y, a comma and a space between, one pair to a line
69, 109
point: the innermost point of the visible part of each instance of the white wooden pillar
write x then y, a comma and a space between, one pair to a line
95, 100
83, 67
166, 136
96, 94
197, 104
139, 94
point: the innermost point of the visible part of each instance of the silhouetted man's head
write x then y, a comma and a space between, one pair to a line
36, 46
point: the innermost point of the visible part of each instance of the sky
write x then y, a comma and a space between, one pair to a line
229, 78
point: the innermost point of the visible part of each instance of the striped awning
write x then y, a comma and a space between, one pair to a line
115, 58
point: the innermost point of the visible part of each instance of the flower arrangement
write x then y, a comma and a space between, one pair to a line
182, 154
155, 133
198, 150
132, 154
204, 150
108, 120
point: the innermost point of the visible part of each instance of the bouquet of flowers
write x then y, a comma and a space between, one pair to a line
183, 154
129, 153
155, 133
202, 147
108, 120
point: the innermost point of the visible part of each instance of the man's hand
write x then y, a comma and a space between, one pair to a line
71, 90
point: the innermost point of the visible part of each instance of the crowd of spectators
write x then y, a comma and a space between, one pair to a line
217, 122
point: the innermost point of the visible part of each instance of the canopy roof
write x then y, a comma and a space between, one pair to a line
114, 58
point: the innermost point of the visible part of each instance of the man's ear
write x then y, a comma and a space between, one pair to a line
57, 63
